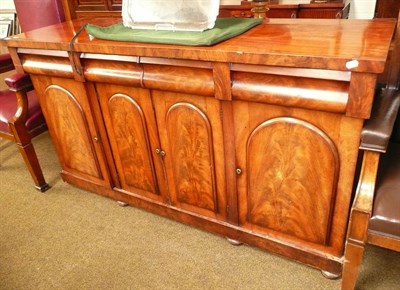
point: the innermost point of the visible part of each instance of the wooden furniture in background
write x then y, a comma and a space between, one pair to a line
112, 8
244, 11
92, 8
387, 8
21, 117
255, 138
317, 10
324, 10
375, 213
237, 11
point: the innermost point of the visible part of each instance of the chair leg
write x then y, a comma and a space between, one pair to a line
28, 153
353, 257
357, 232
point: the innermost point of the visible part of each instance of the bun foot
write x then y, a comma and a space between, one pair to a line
234, 242
330, 275
121, 203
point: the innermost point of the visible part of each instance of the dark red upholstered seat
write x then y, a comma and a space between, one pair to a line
9, 107
37, 14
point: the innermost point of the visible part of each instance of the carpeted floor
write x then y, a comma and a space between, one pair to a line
68, 238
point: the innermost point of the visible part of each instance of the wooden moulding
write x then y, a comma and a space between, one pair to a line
178, 79
219, 80
293, 87
47, 65
146, 73
323, 95
111, 72
173, 76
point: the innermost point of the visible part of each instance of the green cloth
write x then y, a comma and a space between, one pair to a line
224, 28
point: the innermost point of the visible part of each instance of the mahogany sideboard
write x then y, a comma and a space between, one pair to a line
255, 138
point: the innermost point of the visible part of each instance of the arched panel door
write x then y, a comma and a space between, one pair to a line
191, 145
289, 182
66, 108
131, 128
191, 137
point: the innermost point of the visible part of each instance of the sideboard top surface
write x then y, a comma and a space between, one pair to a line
306, 43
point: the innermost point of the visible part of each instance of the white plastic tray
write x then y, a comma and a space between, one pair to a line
175, 15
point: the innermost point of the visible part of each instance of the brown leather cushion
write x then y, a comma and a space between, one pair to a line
377, 130
386, 212
8, 108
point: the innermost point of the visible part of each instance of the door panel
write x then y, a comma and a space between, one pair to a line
295, 182
68, 116
286, 191
131, 127
191, 137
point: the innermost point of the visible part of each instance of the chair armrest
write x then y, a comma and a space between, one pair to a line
19, 81
365, 191
6, 63
378, 129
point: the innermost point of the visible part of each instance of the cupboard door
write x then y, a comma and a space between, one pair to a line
191, 137
295, 167
131, 128
68, 115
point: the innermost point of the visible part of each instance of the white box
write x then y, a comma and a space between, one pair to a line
176, 15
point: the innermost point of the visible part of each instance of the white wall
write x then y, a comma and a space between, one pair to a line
362, 9
7, 4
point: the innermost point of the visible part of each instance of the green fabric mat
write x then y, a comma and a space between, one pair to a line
224, 28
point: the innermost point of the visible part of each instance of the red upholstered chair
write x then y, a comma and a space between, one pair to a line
34, 14
21, 118
375, 213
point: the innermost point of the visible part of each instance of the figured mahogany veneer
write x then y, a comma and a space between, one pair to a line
255, 138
